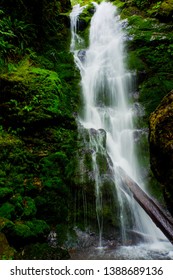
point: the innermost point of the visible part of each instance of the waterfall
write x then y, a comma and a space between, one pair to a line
106, 86
74, 17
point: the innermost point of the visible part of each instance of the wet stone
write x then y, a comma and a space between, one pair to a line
81, 54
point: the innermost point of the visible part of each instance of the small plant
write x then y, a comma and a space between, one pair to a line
153, 11
142, 4
15, 36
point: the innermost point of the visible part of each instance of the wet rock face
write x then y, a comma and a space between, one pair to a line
161, 146
82, 24
86, 175
94, 169
81, 54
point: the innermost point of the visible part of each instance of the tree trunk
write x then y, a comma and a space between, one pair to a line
159, 216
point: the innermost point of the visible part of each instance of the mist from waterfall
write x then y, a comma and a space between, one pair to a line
106, 88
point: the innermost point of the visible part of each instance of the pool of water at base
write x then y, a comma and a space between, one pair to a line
111, 251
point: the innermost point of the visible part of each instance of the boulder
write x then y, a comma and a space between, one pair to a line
161, 146
6, 252
42, 251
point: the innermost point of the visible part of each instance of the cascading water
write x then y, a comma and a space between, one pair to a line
75, 38
106, 84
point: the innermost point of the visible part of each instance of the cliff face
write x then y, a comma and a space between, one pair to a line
161, 146
38, 132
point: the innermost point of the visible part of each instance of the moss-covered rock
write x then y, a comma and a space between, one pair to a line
161, 145
21, 233
7, 210
94, 183
166, 10
38, 133
32, 97
5, 192
38, 139
5, 224
42, 251
85, 16
6, 252
150, 55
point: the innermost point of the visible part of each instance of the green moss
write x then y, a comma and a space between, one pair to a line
27, 231
7, 210
150, 53
153, 90
129, 11
36, 96
119, 4
39, 228
6, 252
62, 232
166, 8
7, 140
156, 189
5, 192
161, 135
18, 202
38, 133
134, 62
42, 251
22, 230
86, 14
142, 4
5, 224
140, 22
29, 207
102, 163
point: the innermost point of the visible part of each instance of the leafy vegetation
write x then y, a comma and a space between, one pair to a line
150, 53
38, 132
40, 185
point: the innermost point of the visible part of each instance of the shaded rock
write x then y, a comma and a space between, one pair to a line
165, 12
42, 251
138, 133
21, 233
85, 17
138, 109
82, 24
99, 135
6, 252
24, 90
141, 76
93, 169
81, 54
161, 146
52, 239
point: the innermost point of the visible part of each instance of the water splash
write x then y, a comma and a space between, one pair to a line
106, 86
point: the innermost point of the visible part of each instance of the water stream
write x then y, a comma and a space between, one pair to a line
106, 86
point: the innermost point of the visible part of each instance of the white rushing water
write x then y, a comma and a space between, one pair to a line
74, 16
106, 86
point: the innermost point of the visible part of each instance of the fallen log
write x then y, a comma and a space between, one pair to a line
153, 209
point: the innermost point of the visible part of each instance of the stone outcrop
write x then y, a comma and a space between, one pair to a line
161, 146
